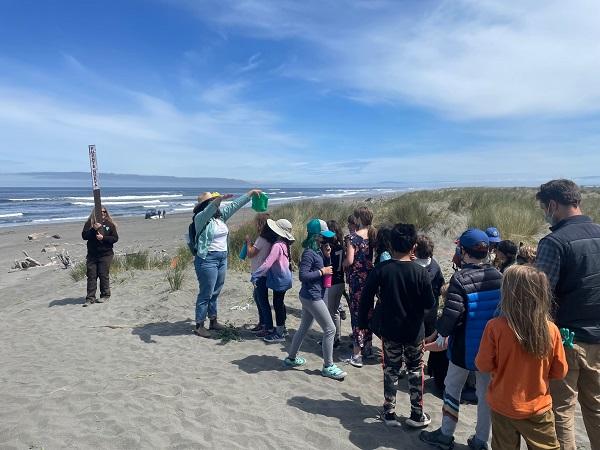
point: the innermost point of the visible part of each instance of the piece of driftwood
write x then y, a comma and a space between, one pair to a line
65, 259
26, 263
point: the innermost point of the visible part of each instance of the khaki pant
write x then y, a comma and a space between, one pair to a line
581, 383
538, 432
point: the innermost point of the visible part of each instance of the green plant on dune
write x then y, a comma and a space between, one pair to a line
229, 334
78, 271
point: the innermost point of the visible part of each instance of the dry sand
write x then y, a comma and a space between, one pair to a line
130, 374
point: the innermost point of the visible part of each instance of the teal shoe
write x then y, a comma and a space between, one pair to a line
334, 372
297, 361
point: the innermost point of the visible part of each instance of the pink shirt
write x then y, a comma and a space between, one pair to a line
278, 260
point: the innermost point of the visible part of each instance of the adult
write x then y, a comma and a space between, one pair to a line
100, 234
211, 253
570, 257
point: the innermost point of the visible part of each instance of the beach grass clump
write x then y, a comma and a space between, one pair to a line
229, 334
409, 208
175, 277
78, 271
590, 203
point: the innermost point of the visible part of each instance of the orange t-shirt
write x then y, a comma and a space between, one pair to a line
520, 381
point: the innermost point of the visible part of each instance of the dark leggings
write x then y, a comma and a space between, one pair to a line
279, 307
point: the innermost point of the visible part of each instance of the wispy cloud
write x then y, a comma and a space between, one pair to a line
465, 58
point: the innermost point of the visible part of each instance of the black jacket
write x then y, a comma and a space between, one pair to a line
404, 293
437, 281
472, 300
578, 289
96, 248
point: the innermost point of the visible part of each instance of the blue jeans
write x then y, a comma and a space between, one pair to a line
211, 272
261, 297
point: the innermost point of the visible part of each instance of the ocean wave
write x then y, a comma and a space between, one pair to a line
127, 197
60, 219
109, 203
18, 214
35, 199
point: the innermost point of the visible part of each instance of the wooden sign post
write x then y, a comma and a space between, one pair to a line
95, 183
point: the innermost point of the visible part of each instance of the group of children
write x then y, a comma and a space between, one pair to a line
495, 322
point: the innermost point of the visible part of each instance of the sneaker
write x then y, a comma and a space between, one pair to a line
355, 361
264, 333
256, 328
343, 314
390, 419
418, 422
274, 337
438, 439
286, 333
297, 361
334, 372
88, 302
475, 443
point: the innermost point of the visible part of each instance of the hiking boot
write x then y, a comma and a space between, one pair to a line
475, 443
333, 372
201, 331
214, 325
390, 419
88, 302
437, 439
418, 422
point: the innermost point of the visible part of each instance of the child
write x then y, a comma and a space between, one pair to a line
335, 292
405, 293
506, 255
277, 269
522, 350
472, 299
359, 262
257, 253
424, 258
383, 248
526, 254
313, 307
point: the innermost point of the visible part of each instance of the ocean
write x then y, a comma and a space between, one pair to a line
30, 206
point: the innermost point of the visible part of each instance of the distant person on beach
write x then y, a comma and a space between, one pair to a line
570, 257
257, 253
472, 298
277, 271
506, 255
523, 344
338, 285
359, 262
405, 294
311, 273
211, 249
100, 234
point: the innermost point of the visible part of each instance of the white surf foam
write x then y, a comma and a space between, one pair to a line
18, 214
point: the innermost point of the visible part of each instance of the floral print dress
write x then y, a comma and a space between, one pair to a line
357, 277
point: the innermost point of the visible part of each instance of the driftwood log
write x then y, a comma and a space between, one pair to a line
27, 262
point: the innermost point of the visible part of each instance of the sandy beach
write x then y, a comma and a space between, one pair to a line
130, 374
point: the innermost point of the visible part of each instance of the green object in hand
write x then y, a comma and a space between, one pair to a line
260, 202
567, 337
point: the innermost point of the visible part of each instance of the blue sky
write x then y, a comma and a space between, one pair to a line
335, 91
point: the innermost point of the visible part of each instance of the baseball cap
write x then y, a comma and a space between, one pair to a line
316, 226
493, 234
474, 238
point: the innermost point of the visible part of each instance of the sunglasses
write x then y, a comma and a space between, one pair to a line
104, 211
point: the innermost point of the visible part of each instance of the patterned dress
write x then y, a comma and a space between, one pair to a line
357, 276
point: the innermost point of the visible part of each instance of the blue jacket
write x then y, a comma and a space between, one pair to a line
310, 277
472, 300
204, 221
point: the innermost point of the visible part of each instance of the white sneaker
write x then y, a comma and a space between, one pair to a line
355, 361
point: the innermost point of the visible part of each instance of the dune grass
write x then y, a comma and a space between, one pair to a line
140, 260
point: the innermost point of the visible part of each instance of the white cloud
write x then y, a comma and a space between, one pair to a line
464, 58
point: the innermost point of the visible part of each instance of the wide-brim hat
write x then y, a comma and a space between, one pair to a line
281, 227
207, 196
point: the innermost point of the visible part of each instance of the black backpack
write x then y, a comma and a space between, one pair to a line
191, 240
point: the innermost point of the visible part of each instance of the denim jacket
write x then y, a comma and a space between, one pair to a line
204, 219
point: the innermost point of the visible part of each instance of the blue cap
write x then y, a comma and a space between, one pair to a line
493, 234
474, 238
316, 226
